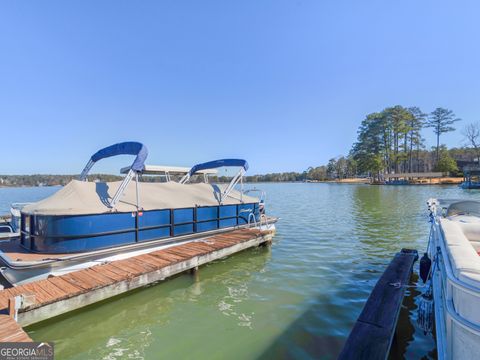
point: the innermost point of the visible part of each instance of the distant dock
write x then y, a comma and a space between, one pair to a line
40, 300
420, 178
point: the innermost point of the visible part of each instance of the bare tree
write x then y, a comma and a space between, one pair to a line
471, 133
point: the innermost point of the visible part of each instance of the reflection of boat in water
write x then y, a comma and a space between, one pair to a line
397, 182
454, 247
89, 222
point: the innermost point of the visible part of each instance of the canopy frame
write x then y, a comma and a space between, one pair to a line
124, 148
238, 177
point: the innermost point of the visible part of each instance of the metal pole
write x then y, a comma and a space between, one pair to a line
136, 188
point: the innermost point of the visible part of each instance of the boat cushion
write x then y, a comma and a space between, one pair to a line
465, 264
462, 255
472, 232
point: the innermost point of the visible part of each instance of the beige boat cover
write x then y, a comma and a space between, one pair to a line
80, 197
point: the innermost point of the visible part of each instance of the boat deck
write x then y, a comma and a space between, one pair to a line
60, 294
15, 252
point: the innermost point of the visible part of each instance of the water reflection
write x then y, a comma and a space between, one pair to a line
386, 219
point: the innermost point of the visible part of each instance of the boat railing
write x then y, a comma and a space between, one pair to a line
265, 218
250, 217
15, 213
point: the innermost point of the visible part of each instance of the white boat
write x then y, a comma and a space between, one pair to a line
454, 247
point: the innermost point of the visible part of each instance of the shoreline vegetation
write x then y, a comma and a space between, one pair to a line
10, 181
388, 142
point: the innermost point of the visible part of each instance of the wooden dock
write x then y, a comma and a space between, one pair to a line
11, 331
372, 334
44, 299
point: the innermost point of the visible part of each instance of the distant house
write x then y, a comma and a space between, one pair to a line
467, 165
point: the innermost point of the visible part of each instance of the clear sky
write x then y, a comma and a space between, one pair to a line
283, 84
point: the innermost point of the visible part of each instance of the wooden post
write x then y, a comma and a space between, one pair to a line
11, 307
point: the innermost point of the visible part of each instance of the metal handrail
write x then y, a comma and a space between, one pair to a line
252, 215
223, 194
263, 194
263, 216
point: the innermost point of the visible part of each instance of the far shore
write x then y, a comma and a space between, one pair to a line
433, 181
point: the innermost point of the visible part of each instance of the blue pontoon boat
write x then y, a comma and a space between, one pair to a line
87, 221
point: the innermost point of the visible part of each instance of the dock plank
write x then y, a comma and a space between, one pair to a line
114, 271
126, 265
171, 258
147, 266
77, 279
223, 243
183, 255
202, 248
68, 287
156, 262
11, 331
372, 334
44, 291
100, 276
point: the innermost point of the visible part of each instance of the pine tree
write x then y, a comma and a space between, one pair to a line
441, 120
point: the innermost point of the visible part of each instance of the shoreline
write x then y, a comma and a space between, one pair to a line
433, 181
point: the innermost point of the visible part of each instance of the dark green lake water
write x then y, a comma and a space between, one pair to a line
297, 299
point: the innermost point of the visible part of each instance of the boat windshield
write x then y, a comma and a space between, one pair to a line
467, 207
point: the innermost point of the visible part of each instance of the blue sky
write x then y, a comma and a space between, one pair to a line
283, 84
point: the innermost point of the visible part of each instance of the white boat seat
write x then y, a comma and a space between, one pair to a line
465, 264
472, 232
461, 252
469, 219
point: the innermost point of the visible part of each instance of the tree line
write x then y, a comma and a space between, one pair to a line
50, 180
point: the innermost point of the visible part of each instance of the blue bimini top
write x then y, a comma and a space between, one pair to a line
125, 148
218, 163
